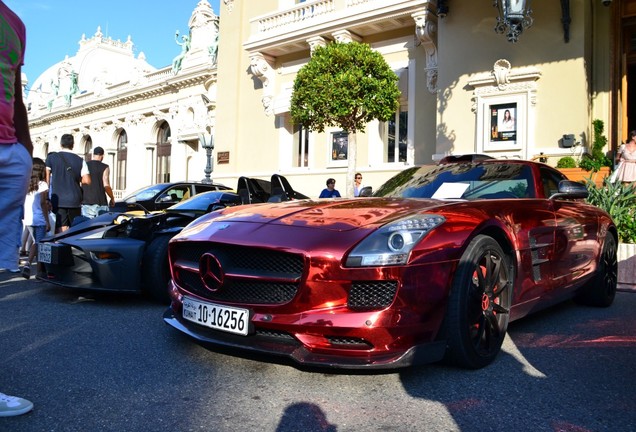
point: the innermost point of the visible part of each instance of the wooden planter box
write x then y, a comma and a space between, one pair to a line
580, 175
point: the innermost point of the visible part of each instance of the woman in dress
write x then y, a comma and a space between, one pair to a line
627, 158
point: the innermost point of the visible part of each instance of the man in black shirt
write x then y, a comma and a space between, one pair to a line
94, 200
65, 171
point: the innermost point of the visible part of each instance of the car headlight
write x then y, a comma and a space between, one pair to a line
391, 244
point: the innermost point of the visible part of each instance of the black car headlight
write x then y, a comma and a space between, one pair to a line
391, 244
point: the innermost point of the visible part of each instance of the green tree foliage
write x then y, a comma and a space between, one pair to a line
344, 85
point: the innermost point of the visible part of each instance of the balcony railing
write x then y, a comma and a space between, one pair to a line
285, 30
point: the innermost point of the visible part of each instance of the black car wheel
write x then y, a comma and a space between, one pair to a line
155, 270
601, 289
479, 304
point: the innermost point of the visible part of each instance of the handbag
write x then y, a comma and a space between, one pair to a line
614, 175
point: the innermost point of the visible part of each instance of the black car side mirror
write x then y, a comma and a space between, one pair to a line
569, 189
366, 191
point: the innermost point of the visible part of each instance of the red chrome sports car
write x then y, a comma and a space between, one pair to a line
433, 266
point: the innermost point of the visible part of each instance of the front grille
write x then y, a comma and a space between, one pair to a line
242, 258
371, 295
252, 275
239, 291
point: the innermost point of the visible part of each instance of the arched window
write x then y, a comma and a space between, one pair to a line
122, 156
88, 147
163, 153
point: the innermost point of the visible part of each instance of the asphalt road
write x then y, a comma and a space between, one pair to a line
111, 364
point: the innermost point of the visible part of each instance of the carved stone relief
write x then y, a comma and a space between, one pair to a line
261, 67
426, 33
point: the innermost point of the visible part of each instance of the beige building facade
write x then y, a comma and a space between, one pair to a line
458, 77
465, 88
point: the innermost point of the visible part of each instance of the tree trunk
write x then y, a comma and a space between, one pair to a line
352, 157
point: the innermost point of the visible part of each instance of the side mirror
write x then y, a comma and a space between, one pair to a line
366, 191
569, 189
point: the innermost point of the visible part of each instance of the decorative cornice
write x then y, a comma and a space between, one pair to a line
503, 79
316, 42
345, 36
503, 76
124, 94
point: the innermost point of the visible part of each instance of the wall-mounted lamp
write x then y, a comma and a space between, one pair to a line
514, 17
442, 8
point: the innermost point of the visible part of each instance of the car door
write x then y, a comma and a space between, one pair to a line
575, 236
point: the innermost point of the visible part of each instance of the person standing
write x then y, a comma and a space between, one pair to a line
36, 212
16, 150
94, 194
357, 185
626, 171
330, 191
65, 171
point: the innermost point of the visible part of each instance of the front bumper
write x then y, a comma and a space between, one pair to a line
280, 343
78, 265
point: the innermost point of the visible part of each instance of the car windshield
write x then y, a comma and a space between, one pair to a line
144, 193
203, 201
466, 181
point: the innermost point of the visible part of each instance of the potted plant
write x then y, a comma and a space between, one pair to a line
619, 200
566, 162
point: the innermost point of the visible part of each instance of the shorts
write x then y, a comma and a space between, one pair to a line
65, 215
38, 232
92, 210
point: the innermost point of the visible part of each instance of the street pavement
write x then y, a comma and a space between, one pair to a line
109, 363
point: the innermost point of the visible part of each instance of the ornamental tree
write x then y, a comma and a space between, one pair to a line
344, 85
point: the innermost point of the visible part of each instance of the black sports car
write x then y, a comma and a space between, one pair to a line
163, 195
127, 252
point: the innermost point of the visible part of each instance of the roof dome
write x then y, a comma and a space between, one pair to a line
100, 62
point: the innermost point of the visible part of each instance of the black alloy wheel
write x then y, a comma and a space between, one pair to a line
479, 304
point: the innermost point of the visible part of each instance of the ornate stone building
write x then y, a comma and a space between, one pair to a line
148, 120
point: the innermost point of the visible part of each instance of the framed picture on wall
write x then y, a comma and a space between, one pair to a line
339, 146
503, 123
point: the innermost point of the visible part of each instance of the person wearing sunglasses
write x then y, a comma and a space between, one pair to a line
357, 184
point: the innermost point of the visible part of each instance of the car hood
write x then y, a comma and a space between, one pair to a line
332, 215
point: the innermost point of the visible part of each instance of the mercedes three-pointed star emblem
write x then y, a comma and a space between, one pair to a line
211, 272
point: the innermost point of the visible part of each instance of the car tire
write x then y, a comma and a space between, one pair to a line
155, 270
479, 304
600, 291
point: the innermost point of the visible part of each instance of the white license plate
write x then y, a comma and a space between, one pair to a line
224, 318
44, 253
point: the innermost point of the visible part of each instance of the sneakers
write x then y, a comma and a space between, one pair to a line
26, 271
13, 406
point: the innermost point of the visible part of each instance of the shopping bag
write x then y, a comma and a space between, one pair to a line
614, 175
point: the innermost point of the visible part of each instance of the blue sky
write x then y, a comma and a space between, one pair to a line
54, 27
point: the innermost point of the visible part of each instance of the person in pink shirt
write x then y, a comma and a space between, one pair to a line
16, 150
